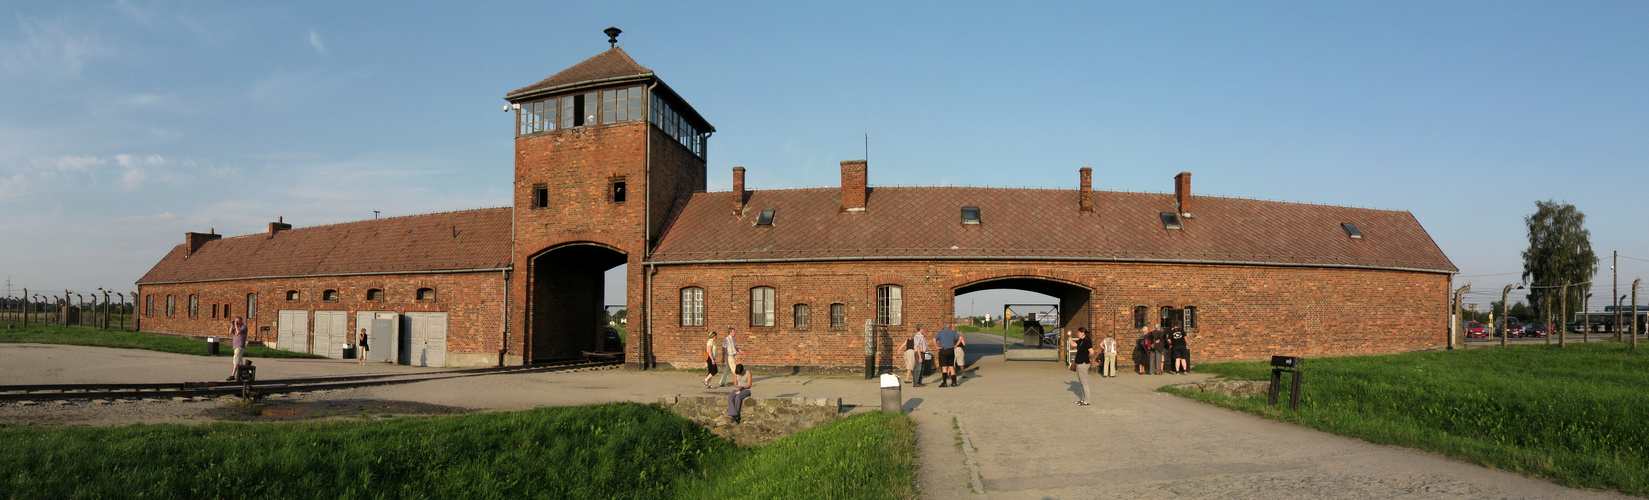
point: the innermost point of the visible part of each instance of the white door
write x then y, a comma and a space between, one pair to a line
293, 331
429, 338
331, 333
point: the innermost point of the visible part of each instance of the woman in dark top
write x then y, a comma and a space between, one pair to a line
1084, 354
1141, 355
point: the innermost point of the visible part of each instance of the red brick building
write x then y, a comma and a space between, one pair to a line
610, 170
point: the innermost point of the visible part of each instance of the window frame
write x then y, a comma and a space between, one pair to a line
1171, 220
977, 218
378, 298
1351, 230
692, 306
617, 189
194, 306
1142, 317
252, 305
149, 305
762, 310
890, 305
801, 316
292, 296
426, 294
171, 305
1188, 317
540, 196
329, 295
838, 315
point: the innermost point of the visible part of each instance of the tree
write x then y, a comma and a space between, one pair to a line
1560, 251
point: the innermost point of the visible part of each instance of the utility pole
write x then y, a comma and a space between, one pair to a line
1615, 287
1505, 315
1635, 313
1586, 309
1563, 318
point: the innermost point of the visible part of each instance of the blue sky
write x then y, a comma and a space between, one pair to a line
125, 124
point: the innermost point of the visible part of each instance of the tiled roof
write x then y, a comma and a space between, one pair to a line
613, 63
469, 239
925, 222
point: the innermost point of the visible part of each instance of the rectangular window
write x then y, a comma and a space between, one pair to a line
1170, 317
970, 215
798, 316
226, 310
569, 116
761, 306
616, 191
592, 111
1170, 221
535, 117
765, 219
838, 316
890, 305
540, 196
692, 306
214, 310
1190, 317
171, 306
251, 305
1140, 319
194, 306
1351, 230
148, 305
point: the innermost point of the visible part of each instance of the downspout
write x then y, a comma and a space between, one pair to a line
647, 239
504, 314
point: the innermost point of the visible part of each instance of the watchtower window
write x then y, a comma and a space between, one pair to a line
621, 105
535, 117
1351, 230
1170, 221
970, 215
540, 196
616, 189
589, 108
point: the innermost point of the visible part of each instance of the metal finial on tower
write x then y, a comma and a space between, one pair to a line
612, 36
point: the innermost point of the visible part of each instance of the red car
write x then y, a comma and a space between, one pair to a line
1475, 330
1536, 330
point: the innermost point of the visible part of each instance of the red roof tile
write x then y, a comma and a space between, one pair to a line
614, 63
925, 222
469, 239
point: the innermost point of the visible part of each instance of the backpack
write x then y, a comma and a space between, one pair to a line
1145, 343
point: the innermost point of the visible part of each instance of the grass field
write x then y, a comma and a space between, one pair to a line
73, 335
1577, 415
618, 450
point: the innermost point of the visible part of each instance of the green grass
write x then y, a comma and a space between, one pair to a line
1577, 415
618, 450
74, 335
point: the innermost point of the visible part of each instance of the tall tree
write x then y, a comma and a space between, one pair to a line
1560, 251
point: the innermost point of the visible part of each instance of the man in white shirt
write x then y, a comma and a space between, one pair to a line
919, 342
732, 348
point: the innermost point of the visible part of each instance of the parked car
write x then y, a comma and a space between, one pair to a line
1516, 330
610, 340
1536, 330
1475, 330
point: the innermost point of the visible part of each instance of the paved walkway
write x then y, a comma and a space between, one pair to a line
1021, 434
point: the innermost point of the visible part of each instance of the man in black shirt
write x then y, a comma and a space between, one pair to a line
1084, 354
1177, 348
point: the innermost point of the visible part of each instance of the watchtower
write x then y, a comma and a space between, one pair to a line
603, 151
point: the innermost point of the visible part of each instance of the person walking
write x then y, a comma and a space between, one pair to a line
911, 359
1142, 349
961, 359
237, 334
1159, 350
947, 355
1108, 346
1084, 355
710, 359
741, 389
1178, 350
919, 342
361, 347
731, 348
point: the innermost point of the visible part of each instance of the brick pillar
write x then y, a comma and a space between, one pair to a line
738, 191
855, 185
1085, 199
1182, 192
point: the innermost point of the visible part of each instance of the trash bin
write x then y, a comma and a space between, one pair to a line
892, 402
349, 351
211, 346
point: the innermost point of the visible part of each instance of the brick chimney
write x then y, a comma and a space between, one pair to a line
738, 191
278, 226
855, 185
1182, 192
1085, 197
192, 241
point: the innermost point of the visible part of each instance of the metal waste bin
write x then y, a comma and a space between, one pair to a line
211, 346
892, 401
349, 351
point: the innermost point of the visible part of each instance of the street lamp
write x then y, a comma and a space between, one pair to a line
1586, 309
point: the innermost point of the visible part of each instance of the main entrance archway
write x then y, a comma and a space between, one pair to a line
1074, 300
565, 299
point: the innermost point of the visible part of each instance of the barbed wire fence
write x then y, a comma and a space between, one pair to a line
103, 309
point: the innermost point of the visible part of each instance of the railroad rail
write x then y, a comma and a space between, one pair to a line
59, 392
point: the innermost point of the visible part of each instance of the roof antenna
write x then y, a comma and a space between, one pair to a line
612, 36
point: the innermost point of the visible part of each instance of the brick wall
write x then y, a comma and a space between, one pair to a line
1245, 312
473, 303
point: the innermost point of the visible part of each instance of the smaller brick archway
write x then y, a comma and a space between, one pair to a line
1075, 298
564, 299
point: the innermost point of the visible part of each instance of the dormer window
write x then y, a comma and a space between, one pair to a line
1170, 221
765, 219
1351, 230
970, 215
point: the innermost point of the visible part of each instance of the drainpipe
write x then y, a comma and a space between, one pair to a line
647, 240
504, 315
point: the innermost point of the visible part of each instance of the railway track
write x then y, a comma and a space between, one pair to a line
60, 392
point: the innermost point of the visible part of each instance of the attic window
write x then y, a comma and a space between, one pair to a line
765, 219
970, 215
1351, 230
1170, 221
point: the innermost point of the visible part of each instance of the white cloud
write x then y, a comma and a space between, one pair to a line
50, 48
315, 41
